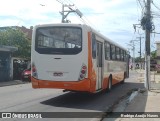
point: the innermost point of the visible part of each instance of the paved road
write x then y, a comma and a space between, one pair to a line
22, 98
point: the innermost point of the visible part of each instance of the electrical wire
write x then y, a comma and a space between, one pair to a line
60, 1
137, 7
140, 3
83, 19
155, 5
142, 6
155, 14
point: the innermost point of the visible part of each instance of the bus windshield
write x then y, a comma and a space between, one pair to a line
58, 40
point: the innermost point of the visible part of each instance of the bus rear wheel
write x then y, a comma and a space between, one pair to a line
122, 82
110, 83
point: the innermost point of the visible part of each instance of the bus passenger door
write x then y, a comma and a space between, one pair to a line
99, 64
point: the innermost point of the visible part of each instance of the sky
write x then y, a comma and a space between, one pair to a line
112, 18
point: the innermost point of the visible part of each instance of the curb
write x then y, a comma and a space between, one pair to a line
14, 82
112, 108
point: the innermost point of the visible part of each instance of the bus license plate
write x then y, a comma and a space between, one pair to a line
58, 74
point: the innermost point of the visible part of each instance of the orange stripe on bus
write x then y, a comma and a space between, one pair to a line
89, 56
91, 71
34, 83
83, 85
105, 83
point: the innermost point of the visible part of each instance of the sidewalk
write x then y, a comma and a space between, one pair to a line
13, 82
145, 104
144, 107
155, 78
147, 101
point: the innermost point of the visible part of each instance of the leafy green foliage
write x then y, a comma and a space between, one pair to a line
138, 59
154, 54
15, 37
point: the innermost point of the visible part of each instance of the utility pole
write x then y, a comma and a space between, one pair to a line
140, 51
134, 56
133, 49
62, 13
147, 44
64, 16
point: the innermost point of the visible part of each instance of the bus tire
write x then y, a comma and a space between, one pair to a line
110, 83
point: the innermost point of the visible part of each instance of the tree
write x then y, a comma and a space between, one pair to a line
154, 54
15, 37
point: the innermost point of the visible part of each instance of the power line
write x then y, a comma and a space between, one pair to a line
85, 20
140, 3
82, 19
70, 2
155, 14
155, 5
60, 1
142, 6
137, 8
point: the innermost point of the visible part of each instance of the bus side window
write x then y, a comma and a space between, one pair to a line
122, 55
113, 56
93, 46
125, 56
117, 53
107, 50
120, 58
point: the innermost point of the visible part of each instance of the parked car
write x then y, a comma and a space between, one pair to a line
26, 74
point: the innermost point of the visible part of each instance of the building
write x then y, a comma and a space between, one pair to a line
158, 49
158, 55
6, 65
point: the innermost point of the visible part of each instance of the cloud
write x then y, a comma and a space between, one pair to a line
29, 10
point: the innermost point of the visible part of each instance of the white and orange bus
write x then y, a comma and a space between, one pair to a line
75, 57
